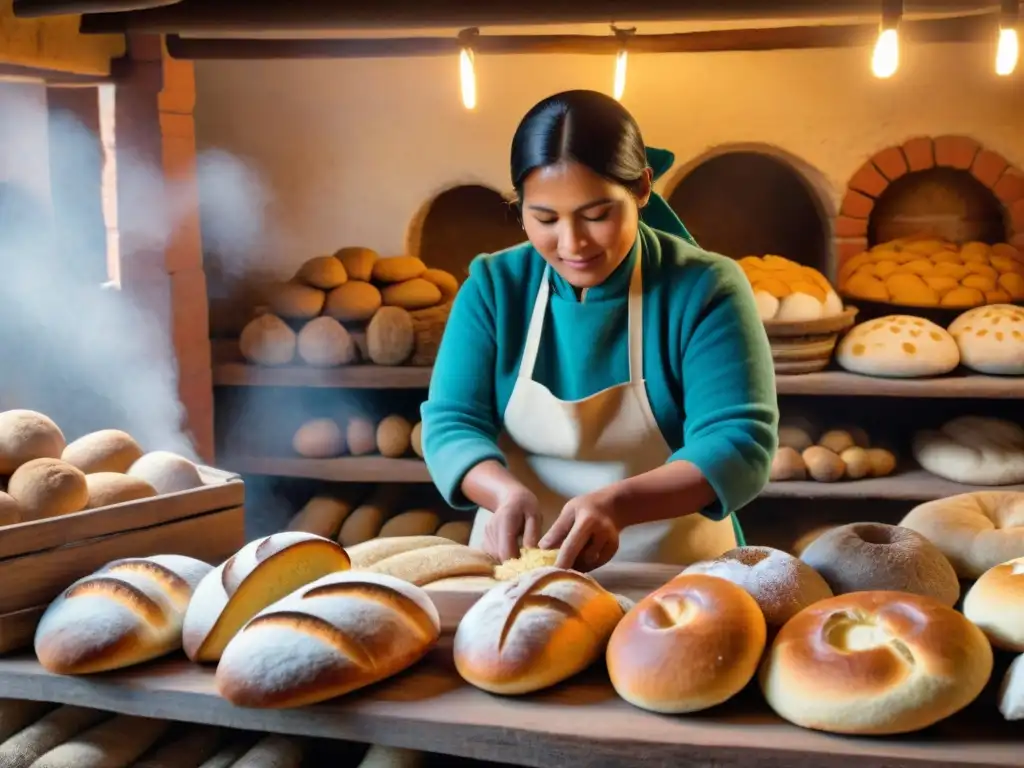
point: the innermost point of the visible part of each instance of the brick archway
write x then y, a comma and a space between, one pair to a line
922, 153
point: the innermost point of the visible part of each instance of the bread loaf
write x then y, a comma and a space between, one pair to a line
267, 340
114, 743
397, 269
108, 450
295, 301
261, 572
687, 646
322, 516
27, 435
273, 751
127, 612
420, 559
415, 522
973, 450
354, 302
392, 757
995, 603
991, 339
323, 272
10, 512
51, 730
167, 472
323, 342
898, 346
48, 488
340, 633
229, 755
445, 281
106, 488
416, 439
456, 530
393, 436
190, 748
361, 436
319, 439
390, 336
358, 262
534, 632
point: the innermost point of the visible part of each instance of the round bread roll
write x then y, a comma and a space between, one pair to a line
823, 465
393, 436
974, 450
167, 472
323, 272
787, 291
456, 530
1011, 692
995, 603
416, 522
416, 439
361, 436
27, 435
787, 465
862, 557
975, 531
796, 437
321, 516
267, 340
875, 663
857, 462
881, 462
106, 488
108, 450
353, 302
362, 525
323, 342
690, 645
898, 346
411, 294
390, 336
781, 584
358, 262
10, 512
319, 439
991, 339
397, 269
48, 488
532, 633
296, 301
445, 281
837, 440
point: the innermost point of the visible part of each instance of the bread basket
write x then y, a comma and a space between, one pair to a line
806, 346
428, 327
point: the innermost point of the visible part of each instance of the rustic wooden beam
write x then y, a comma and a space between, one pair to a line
52, 78
55, 45
33, 9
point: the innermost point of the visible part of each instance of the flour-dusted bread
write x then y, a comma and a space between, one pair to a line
51, 730
974, 450
534, 632
127, 612
995, 603
167, 472
898, 346
335, 635
420, 559
114, 743
260, 573
991, 339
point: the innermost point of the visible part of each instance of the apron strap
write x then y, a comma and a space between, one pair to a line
536, 327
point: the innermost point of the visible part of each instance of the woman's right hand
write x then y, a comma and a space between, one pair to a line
517, 515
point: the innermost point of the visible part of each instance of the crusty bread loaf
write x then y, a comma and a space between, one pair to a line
229, 755
875, 663
114, 743
975, 531
48, 488
991, 338
420, 559
412, 522
340, 633
995, 603
10, 510
125, 613
1011, 691
534, 632
898, 346
974, 450
690, 645
261, 572
456, 530
51, 730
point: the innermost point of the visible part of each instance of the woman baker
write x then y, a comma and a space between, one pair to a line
605, 388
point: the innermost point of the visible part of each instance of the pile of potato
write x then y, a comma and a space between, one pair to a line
43, 476
837, 454
353, 307
392, 437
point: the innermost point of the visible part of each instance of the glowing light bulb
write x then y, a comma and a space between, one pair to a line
620, 75
1007, 52
467, 78
886, 58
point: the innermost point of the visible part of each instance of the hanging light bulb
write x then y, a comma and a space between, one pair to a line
1008, 49
621, 60
467, 68
885, 59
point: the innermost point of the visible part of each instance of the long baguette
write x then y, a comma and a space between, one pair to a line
274, 752
229, 755
189, 748
49, 731
114, 743
16, 714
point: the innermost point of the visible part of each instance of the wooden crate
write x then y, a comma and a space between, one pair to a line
40, 559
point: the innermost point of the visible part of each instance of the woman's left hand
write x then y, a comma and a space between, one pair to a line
586, 533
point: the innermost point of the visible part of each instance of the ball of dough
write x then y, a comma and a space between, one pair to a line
995, 603
323, 272
10, 512
823, 465
296, 301
787, 465
361, 436
106, 488
390, 336
267, 340
358, 262
48, 488
167, 472
324, 343
319, 439
393, 436
108, 450
991, 339
973, 450
27, 435
875, 663
862, 557
898, 346
781, 584
353, 302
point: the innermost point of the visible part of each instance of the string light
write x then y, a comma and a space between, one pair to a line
621, 60
467, 67
1008, 49
885, 59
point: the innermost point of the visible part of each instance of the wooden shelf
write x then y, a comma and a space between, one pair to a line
347, 377
347, 469
843, 383
913, 485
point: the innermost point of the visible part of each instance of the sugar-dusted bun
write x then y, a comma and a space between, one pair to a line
996, 604
974, 450
781, 584
1011, 692
108, 450
106, 488
991, 338
862, 557
421, 560
975, 531
898, 346
335, 635
261, 572
690, 645
27, 435
167, 472
875, 663
534, 632
48, 488
125, 613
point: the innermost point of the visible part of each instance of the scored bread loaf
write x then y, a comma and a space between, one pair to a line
335, 635
534, 632
127, 612
261, 572
420, 559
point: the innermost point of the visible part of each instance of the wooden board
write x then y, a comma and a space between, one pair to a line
347, 469
834, 383
914, 485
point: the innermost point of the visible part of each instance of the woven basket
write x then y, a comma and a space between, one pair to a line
806, 347
428, 325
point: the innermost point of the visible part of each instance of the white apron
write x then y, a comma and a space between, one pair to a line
561, 449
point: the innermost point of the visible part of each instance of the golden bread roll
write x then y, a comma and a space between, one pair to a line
411, 294
108, 450
534, 632
118, 741
361, 436
267, 340
295, 301
397, 269
27, 435
416, 439
323, 272
340, 633
864, 557
420, 559
823, 465
991, 339
358, 262
394, 435
688, 646
416, 522
456, 530
857, 462
322, 516
881, 462
781, 584
167, 472
319, 439
127, 612
787, 464
530, 559
445, 281
48, 488
362, 525
787, 291
995, 603
10, 512
875, 663
106, 488
1011, 691
974, 450
323, 342
261, 572
898, 346
795, 436
354, 302
837, 440
390, 336
975, 531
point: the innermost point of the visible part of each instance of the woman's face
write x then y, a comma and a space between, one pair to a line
582, 224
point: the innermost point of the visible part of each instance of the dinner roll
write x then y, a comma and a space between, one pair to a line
108, 450
167, 472
534, 632
975, 531
10, 512
106, 488
873, 556
48, 488
899, 346
781, 584
996, 604
1011, 692
687, 646
27, 435
974, 450
875, 663
991, 339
